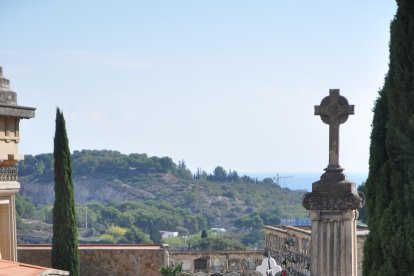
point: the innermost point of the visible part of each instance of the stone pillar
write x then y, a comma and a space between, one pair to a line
334, 239
333, 202
10, 115
8, 248
333, 215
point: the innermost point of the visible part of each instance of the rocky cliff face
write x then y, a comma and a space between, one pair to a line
86, 189
217, 200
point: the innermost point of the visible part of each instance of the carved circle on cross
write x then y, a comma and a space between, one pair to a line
337, 109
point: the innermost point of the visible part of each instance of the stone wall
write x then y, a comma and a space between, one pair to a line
119, 260
361, 237
290, 246
146, 260
276, 238
218, 263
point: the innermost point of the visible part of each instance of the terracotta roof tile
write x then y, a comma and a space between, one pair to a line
8, 268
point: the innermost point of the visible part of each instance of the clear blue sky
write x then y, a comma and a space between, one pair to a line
230, 83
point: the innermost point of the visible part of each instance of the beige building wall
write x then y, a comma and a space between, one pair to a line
10, 115
7, 232
9, 138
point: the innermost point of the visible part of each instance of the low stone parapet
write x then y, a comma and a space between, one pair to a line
122, 260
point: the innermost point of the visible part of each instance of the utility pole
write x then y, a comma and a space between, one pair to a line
86, 216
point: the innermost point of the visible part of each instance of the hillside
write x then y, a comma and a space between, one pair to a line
222, 198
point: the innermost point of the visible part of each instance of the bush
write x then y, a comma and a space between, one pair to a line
107, 238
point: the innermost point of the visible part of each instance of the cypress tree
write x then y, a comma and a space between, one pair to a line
65, 254
389, 248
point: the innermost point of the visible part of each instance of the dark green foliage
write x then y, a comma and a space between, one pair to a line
220, 174
204, 196
154, 232
101, 162
135, 236
172, 270
39, 166
270, 217
88, 162
143, 219
268, 180
250, 222
254, 238
233, 176
24, 207
224, 241
390, 185
20, 224
182, 171
204, 243
65, 237
173, 201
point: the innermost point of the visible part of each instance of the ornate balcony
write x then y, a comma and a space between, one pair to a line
8, 174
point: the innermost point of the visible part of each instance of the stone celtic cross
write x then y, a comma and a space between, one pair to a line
334, 110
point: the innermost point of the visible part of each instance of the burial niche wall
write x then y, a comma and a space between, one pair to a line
217, 265
201, 264
233, 274
233, 264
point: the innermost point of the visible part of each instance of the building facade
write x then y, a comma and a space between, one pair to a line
10, 116
218, 263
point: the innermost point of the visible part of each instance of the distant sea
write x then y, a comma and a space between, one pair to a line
304, 180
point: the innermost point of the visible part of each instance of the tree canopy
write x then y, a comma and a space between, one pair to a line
65, 253
389, 248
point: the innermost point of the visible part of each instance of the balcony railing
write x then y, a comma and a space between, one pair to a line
8, 174
294, 261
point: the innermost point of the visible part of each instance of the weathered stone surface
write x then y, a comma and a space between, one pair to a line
233, 274
112, 261
334, 110
276, 239
17, 111
95, 261
222, 262
8, 101
233, 264
276, 236
333, 191
6, 95
333, 201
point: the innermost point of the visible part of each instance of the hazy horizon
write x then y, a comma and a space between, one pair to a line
229, 83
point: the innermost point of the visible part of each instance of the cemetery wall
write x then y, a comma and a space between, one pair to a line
218, 263
122, 260
277, 237
142, 260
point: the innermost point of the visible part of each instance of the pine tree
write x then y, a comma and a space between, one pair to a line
204, 234
390, 185
65, 254
154, 232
